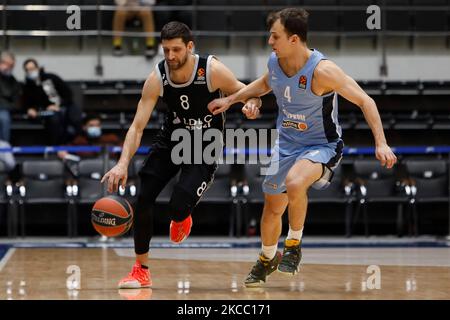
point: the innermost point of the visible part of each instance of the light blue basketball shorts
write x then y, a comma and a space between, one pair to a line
329, 154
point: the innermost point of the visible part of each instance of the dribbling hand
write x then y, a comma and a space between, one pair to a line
117, 175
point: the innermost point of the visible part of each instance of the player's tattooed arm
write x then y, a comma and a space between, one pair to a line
119, 173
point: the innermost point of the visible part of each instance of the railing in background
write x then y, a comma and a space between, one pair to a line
195, 9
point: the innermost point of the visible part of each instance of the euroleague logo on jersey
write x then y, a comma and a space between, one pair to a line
302, 82
201, 74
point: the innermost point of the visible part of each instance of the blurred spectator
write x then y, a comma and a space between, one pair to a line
124, 14
92, 135
9, 93
48, 97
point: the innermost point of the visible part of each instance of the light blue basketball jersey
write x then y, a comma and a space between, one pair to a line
303, 117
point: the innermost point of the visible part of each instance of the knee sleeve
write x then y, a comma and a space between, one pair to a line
325, 180
181, 204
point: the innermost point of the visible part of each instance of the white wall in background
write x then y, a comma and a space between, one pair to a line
359, 66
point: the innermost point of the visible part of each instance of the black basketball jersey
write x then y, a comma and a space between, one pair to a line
188, 102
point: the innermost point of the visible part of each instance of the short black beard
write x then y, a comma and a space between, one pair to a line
182, 63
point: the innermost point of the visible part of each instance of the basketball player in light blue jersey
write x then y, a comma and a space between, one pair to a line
309, 143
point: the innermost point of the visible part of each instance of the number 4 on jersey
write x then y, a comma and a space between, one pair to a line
287, 93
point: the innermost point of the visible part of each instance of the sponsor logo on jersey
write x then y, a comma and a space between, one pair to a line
302, 82
300, 126
294, 116
196, 124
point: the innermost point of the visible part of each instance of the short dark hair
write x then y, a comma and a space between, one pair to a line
30, 60
175, 29
294, 20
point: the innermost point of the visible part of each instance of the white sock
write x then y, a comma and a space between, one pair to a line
269, 251
292, 234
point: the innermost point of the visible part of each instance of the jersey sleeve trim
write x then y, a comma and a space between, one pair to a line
208, 75
158, 74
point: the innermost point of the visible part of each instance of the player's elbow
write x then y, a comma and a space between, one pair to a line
367, 103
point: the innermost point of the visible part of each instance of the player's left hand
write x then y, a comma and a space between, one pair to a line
385, 155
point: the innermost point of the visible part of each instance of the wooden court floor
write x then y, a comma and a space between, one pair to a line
41, 273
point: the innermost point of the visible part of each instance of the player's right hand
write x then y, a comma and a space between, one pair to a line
219, 105
117, 175
251, 109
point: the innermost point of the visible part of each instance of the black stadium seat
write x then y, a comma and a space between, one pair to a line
377, 184
322, 20
429, 184
339, 192
57, 20
431, 20
43, 183
247, 20
354, 20
90, 173
214, 20
7, 207
398, 20
24, 20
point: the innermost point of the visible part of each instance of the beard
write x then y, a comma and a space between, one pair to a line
175, 65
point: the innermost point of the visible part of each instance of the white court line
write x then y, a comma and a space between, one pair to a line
6, 258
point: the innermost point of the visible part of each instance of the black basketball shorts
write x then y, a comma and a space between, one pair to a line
194, 179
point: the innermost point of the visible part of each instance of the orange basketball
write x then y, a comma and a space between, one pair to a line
112, 216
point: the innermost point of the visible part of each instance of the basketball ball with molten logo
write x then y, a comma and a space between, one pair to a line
112, 216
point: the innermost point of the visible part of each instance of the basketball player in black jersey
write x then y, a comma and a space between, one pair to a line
187, 83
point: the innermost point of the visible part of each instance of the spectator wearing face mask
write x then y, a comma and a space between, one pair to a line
10, 90
47, 97
92, 135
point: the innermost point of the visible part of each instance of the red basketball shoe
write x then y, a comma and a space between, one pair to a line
180, 230
137, 278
